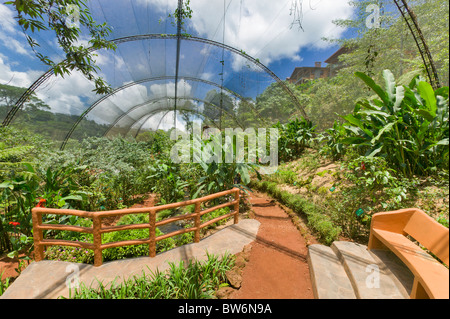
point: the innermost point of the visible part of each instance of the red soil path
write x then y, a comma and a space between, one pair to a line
277, 266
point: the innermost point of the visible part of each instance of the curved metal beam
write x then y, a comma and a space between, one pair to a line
159, 123
154, 112
157, 127
103, 98
411, 21
50, 72
148, 117
221, 45
153, 101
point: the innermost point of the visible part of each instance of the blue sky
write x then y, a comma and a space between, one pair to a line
261, 28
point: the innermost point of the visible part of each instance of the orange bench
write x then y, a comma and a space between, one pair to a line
388, 231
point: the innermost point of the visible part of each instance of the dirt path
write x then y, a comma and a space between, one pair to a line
277, 266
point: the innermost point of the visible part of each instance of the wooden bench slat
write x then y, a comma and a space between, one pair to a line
430, 234
433, 276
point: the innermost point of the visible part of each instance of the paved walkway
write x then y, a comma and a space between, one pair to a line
277, 266
47, 279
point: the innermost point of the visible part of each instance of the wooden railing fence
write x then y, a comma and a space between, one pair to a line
98, 229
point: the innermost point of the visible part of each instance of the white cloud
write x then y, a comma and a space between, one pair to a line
67, 95
164, 120
297, 58
7, 19
168, 89
10, 36
261, 28
15, 78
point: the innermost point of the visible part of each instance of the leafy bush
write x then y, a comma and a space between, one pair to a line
195, 280
214, 214
331, 141
217, 175
4, 284
407, 125
285, 176
294, 137
71, 254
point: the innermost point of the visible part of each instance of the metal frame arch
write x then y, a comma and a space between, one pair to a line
402, 6
156, 111
128, 85
50, 72
153, 101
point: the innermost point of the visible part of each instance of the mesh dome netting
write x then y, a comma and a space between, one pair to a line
161, 78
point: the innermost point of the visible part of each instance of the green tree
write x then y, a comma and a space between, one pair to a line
276, 104
36, 16
219, 107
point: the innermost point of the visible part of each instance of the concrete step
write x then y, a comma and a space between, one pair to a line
370, 274
49, 279
328, 276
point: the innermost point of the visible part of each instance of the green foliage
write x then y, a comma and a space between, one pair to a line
331, 141
70, 254
4, 284
212, 215
167, 181
276, 104
285, 176
407, 125
443, 220
35, 17
139, 250
217, 174
195, 280
294, 137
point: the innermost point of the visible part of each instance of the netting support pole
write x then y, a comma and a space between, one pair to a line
179, 17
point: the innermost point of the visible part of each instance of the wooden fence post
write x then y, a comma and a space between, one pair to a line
98, 260
152, 234
37, 236
236, 206
197, 221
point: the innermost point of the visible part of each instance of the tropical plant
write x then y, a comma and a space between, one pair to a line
167, 181
194, 280
294, 137
331, 141
408, 125
217, 173
51, 15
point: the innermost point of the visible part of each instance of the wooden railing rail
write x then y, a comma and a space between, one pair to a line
98, 229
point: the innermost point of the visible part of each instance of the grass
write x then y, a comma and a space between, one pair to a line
4, 284
329, 193
196, 280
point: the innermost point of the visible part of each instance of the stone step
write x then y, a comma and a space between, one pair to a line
328, 276
370, 276
347, 270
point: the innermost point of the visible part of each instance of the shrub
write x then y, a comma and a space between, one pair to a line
196, 280
407, 125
